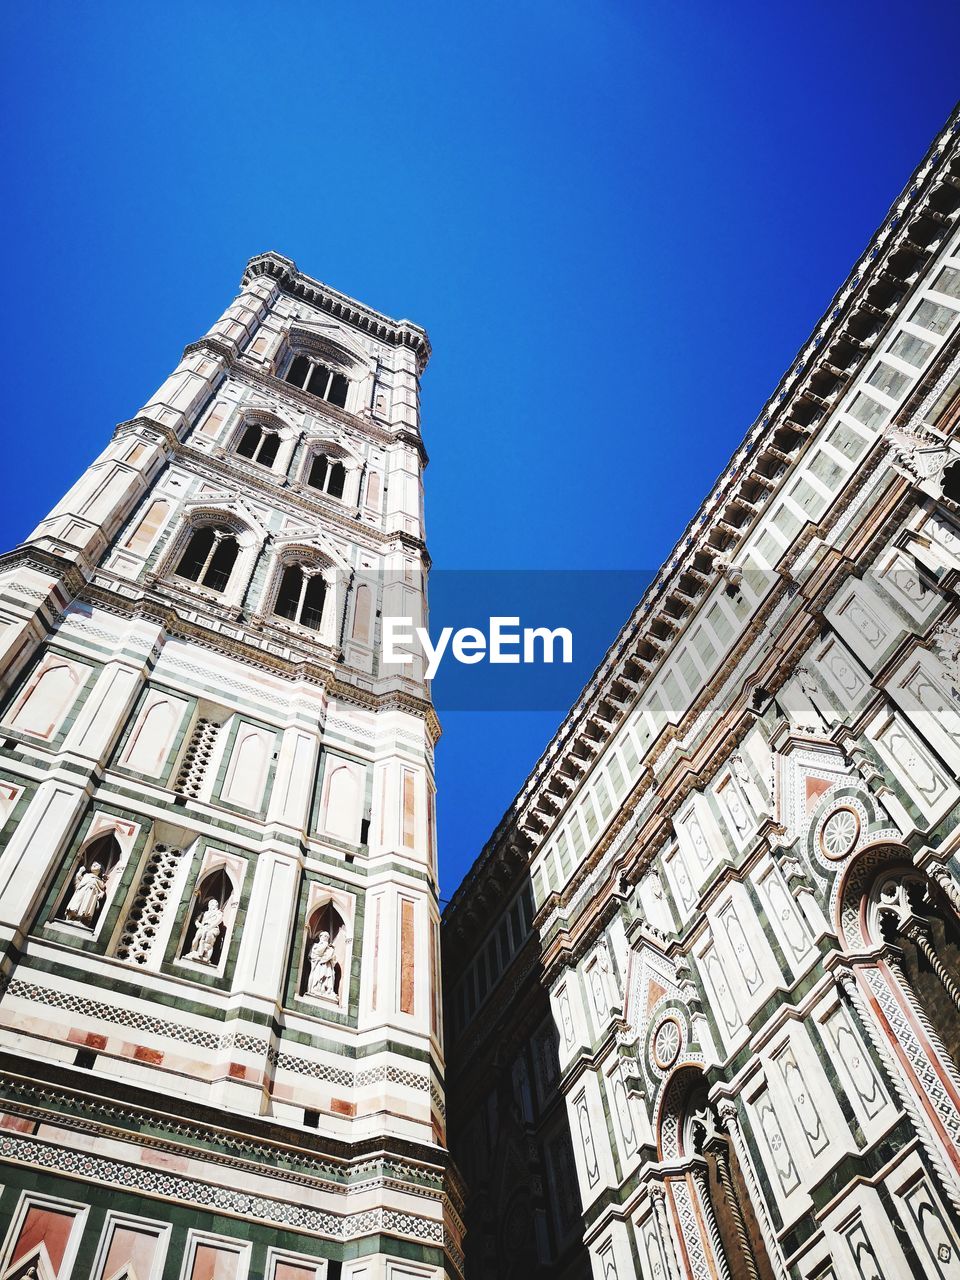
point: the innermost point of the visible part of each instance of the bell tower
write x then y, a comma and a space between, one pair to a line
220, 1032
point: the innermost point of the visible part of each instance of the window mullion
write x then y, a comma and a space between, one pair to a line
303, 593
206, 564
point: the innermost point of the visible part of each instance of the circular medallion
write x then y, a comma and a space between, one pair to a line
839, 833
666, 1043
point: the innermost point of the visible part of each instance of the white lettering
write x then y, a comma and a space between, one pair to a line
434, 654
469, 645
531, 634
397, 631
499, 637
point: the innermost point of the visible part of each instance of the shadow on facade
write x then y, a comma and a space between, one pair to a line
508, 1127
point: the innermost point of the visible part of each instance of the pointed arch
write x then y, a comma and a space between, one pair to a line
322, 970
47, 697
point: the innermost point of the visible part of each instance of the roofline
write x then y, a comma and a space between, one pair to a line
399, 333
889, 237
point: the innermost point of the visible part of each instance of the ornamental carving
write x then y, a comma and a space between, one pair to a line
667, 1041
839, 833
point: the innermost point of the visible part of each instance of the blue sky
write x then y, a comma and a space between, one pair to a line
618, 222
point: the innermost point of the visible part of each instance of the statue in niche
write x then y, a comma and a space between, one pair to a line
206, 933
89, 891
323, 973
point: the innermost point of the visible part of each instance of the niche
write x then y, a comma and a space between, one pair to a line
90, 884
212, 909
325, 957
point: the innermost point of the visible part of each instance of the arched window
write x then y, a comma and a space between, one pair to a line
327, 474
951, 482
258, 445
914, 916
726, 1190
301, 595
209, 557
316, 378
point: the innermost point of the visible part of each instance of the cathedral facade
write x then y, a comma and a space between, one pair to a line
703, 999
220, 1025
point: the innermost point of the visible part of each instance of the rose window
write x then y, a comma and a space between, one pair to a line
666, 1044
839, 833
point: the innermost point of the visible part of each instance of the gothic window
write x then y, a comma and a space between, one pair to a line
258, 445
327, 474
209, 557
143, 922
86, 892
323, 953
316, 378
951, 482
301, 595
917, 919
726, 1190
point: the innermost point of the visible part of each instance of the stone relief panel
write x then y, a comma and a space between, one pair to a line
584, 1143
928, 1223
775, 1148
912, 764
790, 928
919, 691
719, 993
855, 1067
800, 1093
899, 577
155, 734
679, 879
864, 623
652, 1249
843, 676
41, 707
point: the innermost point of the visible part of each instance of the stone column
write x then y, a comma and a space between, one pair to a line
702, 1184
658, 1196
719, 1150
903, 1088
730, 1120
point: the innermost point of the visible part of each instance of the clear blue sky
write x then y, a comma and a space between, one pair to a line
617, 220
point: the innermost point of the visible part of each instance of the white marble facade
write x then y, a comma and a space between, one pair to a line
204, 770
742, 845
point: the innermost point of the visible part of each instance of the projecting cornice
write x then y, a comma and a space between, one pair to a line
399, 333
813, 385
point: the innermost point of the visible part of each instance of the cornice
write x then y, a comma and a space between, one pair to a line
164, 613
237, 364
398, 333
53, 1095
295, 499
910, 233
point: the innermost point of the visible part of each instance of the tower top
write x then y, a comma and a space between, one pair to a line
401, 333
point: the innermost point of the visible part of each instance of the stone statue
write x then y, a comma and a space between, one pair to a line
206, 933
323, 974
89, 890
